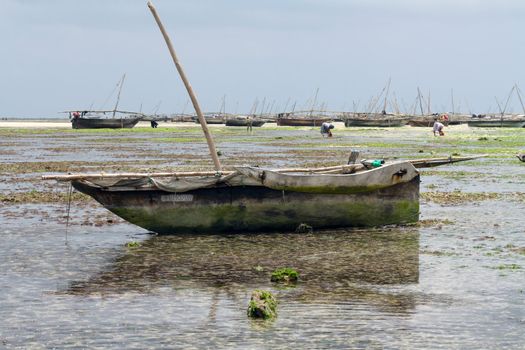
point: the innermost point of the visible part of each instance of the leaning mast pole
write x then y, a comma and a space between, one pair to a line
118, 95
386, 94
419, 96
519, 96
204, 125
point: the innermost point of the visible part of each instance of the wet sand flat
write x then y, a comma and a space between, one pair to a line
455, 280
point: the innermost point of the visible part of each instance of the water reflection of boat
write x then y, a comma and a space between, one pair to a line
341, 265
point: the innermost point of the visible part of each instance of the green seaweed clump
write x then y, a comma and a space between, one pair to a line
133, 244
262, 305
509, 267
285, 274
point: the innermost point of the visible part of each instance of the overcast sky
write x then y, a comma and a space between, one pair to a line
69, 54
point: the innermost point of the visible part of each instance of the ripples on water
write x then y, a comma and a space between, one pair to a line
455, 285
360, 288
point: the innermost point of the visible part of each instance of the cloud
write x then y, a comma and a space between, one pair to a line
66, 53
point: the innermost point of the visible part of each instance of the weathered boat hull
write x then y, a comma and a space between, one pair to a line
496, 123
211, 120
231, 209
243, 122
424, 121
104, 123
383, 123
301, 121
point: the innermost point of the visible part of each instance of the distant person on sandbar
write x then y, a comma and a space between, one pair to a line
249, 123
326, 129
154, 124
437, 128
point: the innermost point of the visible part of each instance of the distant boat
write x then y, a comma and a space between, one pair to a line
244, 121
114, 119
288, 119
374, 120
509, 121
104, 119
213, 119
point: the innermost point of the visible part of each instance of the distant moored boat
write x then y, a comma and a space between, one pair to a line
104, 119
374, 120
510, 121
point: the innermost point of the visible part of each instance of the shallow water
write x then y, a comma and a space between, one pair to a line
456, 281
409, 287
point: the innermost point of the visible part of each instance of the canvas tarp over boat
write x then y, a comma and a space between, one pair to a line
172, 184
363, 181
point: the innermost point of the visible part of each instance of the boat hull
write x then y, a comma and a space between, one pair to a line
231, 209
383, 123
104, 123
496, 123
243, 122
301, 121
211, 120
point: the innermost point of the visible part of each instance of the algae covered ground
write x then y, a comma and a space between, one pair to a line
28, 153
453, 280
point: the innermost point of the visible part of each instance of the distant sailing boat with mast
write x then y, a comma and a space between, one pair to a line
504, 119
100, 119
373, 118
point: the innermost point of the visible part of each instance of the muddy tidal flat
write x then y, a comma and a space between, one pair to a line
87, 279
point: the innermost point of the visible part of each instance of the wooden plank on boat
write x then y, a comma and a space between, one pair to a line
341, 169
432, 162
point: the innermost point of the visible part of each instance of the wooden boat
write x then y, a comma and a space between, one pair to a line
212, 119
288, 119
497, 122
114, 119
457, 119
374, 120
243, 121
423, 121
104, 119
252, 199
